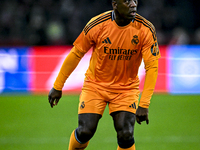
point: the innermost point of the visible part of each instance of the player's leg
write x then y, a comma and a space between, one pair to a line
87, 124
123, 108
124, 126
90, 110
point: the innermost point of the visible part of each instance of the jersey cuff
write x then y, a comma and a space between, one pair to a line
143, 105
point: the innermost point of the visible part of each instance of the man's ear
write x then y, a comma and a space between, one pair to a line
114, 4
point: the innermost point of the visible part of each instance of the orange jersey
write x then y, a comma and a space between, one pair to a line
117, 51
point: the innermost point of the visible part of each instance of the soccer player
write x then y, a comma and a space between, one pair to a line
120, 39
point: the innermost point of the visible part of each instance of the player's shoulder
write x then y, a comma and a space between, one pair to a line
144, 22
98, 20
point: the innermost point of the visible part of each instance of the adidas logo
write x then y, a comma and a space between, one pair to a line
107, 40
133, 106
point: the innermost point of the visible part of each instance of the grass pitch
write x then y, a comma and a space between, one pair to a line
29, 123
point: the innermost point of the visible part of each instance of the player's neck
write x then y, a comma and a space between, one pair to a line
120, 21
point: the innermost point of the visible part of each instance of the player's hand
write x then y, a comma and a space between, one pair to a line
142, 115
54, 97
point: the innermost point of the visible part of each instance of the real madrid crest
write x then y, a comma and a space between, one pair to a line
135, 40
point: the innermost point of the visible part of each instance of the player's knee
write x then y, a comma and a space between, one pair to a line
124, 135
125, 139
84, 134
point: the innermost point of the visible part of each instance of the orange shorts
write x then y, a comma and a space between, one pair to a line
93, 100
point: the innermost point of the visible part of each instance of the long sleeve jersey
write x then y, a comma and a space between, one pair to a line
117, 55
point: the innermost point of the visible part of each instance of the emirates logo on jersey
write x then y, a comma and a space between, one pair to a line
135, 40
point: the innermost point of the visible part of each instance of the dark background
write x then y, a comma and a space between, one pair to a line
59, 22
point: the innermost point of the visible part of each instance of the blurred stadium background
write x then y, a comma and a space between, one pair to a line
36, 36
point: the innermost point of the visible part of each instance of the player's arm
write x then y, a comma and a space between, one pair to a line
68, 66
149, 85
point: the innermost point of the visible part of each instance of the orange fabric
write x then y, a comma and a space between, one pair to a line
116, 57
69, 64
117, 51
93, 100
150, 82
131, 148
74, 144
